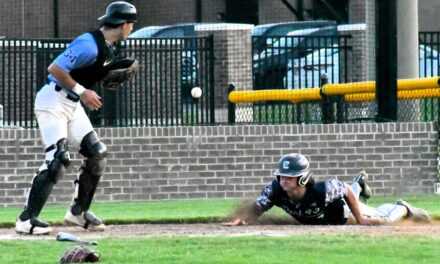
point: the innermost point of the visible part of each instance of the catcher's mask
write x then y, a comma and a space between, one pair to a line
118, 13
293, 165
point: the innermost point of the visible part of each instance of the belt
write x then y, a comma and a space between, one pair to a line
71, 95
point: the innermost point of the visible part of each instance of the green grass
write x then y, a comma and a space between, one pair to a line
255, 249
138, 212
187, 211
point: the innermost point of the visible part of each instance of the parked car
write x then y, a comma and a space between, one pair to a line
428, 61
166, 31
270, 63
261, 32
306, 72
295, 45
271, 66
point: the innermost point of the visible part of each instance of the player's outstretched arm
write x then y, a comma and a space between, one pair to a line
244, 214
235, 222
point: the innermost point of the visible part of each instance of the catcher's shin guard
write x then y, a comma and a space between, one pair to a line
92, 168
47, 176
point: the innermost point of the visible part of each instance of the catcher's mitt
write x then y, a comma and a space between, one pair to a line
79, 254
119, 71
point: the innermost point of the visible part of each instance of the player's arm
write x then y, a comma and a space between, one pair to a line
246, 215
353, 204
249, 213
90, 99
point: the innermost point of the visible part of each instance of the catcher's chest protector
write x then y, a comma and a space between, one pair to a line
90, 75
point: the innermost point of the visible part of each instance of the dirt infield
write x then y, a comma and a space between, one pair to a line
190, 230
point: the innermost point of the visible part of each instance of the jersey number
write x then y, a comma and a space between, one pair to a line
68, 54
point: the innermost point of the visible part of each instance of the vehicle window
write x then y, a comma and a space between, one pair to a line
145, 32
171, 33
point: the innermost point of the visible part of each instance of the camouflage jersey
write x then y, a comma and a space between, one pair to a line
323, 203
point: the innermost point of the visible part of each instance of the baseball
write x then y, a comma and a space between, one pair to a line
196, 92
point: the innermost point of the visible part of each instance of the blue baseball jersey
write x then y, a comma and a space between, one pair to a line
80, 53
322, 204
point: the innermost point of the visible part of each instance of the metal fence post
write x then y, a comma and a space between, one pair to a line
1, 116
231, 106
211, 56
326, 105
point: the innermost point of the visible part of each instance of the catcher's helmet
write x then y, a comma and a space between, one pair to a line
293, 165
119, 12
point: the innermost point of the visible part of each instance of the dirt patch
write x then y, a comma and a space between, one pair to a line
190, 230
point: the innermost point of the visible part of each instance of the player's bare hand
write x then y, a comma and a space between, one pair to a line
91, 100
235, 222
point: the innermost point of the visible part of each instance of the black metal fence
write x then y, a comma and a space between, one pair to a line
294, 62
288, 62
429, 47
298, 63
159, 95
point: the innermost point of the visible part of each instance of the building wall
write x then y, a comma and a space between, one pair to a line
274, 11
428, 15
230, 161
35, 18
29, 19
166, 12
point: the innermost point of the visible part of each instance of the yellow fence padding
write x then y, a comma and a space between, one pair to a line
296, 95
354, 92
405, 94
370, 87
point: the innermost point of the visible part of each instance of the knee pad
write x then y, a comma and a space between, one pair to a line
95, 152
60, 162
93, 167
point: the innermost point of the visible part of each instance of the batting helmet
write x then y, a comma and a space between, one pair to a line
119, 12
293, 165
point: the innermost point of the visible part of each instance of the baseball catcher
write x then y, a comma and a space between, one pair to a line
329, 202
89, 59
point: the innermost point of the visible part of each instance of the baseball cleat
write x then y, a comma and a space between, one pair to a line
86, 220
414, 213
32, 226
361, 178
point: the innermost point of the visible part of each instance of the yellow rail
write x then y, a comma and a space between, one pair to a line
296, 95
405, 94
357, 91
370, 87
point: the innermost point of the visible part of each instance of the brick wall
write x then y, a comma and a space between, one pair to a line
230, 161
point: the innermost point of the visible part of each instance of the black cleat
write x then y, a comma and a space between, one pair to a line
32, 226
361, 178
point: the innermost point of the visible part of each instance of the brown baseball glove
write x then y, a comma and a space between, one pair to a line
119, 71
80, 254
